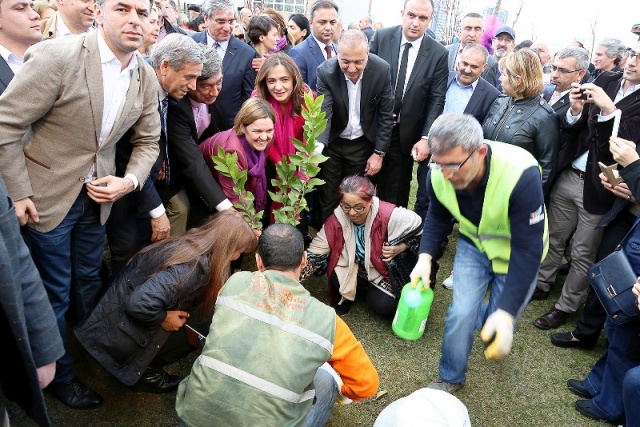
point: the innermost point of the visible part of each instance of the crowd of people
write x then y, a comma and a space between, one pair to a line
113, 149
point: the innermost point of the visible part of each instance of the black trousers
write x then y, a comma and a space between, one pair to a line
346, 157
593, 315
394, 181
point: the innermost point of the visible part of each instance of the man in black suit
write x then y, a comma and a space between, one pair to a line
358, 105
191, 120
237, 57
420, 84
18, 30
471, 31
467, 92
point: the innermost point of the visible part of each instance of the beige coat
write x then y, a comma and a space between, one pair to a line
59, 94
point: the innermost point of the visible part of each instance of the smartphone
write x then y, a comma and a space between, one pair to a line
611, 172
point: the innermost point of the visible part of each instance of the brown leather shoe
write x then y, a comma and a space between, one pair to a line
551, 319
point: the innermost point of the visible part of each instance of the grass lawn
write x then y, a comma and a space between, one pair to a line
528, 388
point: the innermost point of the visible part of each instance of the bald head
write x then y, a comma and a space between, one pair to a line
353, 39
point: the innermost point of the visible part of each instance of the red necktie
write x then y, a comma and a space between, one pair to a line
328, 49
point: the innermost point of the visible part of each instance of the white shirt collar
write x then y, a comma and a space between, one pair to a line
62, 29
211, 40
416, 43
473, 85
106, 55
321, 45
349, 81
13, 61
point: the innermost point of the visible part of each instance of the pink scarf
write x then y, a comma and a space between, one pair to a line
284, 129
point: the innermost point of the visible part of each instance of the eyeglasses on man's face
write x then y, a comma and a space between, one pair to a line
631, 54
449, 167
563, 70
347, 208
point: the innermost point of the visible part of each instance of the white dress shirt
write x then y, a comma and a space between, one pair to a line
221, 49
322, 47
13, 61
353, 129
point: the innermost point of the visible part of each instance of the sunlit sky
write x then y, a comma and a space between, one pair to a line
555, 21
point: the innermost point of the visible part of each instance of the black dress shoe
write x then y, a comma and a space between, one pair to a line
156, 380
551, 319
584, 407
577, 387
568, 340
75, 394
539, 294
342, 309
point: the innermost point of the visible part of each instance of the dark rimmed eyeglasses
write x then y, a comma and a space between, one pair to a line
347, 208
563, 70
449, 167
631, 54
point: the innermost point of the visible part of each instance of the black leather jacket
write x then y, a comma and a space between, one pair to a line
529, 123
124, 331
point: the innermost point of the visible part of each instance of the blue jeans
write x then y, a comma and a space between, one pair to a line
605, 381
472, 273
631, 397
326, 395
69, 258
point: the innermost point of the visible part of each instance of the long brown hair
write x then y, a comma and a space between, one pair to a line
299, 86
218, 238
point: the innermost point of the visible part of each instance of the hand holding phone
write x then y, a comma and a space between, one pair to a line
611, 172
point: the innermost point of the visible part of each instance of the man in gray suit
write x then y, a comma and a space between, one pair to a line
91, 89
471, 31
467, 92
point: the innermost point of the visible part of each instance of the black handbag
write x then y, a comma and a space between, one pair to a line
612, 279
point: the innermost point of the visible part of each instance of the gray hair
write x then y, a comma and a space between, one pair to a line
177, 50
581, 56
213, 7
352, 39
212, 63
614, 47
455, 130
322, 4
480, 48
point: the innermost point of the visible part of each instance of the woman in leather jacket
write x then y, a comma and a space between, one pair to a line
139, 324
521, 116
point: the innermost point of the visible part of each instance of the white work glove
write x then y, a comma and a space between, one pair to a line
497, 334
342, 399
422, 270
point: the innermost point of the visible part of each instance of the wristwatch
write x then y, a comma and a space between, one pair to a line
379, 153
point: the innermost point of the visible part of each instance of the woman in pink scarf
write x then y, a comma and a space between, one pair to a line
280, 83
250, 136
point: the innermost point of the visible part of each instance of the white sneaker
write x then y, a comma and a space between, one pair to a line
448, 282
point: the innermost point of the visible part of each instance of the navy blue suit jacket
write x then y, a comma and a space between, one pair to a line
238, 81
483, 96
5, 75
308, 57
